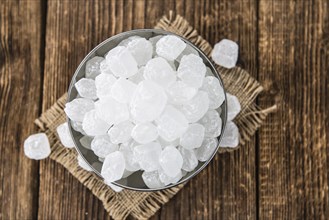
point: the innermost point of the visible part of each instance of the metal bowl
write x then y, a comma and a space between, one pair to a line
134, 181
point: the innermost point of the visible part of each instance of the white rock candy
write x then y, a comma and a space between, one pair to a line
230, 135
113, 166
233, 106
102, 146
148, 156
170, 47
207, 149
196, 108
171, 161
193, 136
152, 180
64, 135
104, 83
120, 133
212, 123
225, 53
144, 133
125, 42
148, 101
179, 93
138, 77
171, 124
141, 49
214, 90
192, 70
86, 88
159, 71
190, 162
113, 187
77, 126
132, 164
111, 111
165, 179
85, 141
121, 62
83, 164
77, 108
122, 90
93, 67
93, 125
37, 146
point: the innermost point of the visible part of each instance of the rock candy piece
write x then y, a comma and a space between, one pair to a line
165, 179
93, 125
188, 50
148, 156
192, 70
207, 149
64, 135
115, 188
231, 135
93, 67
132, 164
125, 42
144, 133
212, 123
225, 53
77, 108
113, 166
148, 101
122, 90
152, 180
37, 146
170, 47
214, 90
179, 93
120, 133
85, 141
77, 126
193, 136
138, 77
111, 111
159, 71
190, 162
171, 124
83, 164
196, 108
102, 146
121, 62
104, 83
86, 88
141, 49
233, 106
171, 161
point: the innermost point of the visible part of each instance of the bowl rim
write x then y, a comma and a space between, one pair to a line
158, 32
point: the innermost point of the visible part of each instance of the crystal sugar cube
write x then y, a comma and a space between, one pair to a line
225, 53
170, 47
37, 146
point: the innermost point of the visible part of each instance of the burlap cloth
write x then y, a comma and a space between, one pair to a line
142, 205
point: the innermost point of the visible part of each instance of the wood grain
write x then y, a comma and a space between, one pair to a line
293, 144
20, 95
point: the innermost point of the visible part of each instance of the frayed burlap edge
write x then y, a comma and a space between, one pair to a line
236, 81
138, 204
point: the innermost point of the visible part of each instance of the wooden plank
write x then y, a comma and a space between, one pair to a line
293, 149
21, 58
227, 188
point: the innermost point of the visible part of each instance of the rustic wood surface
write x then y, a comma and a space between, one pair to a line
281, 174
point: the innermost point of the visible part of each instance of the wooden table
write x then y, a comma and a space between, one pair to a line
281, 174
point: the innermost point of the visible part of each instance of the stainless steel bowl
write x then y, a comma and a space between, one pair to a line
134, 181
